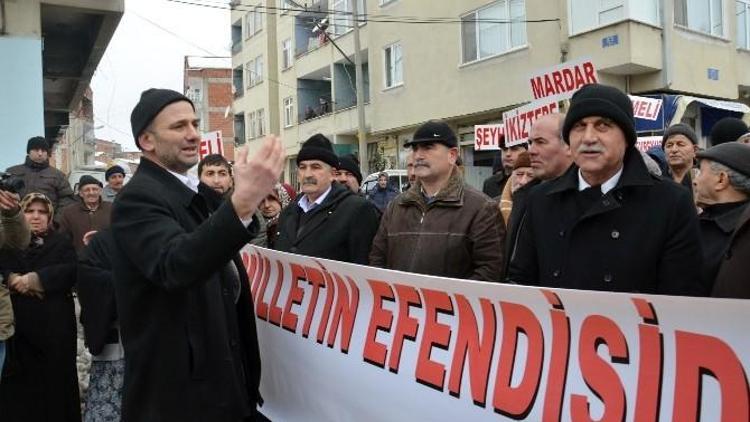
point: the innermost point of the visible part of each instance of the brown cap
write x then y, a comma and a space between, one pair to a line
523, 160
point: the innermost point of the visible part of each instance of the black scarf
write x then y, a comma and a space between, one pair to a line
36, 166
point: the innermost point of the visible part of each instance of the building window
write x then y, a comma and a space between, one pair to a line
700, 15
238, 81
394, 66
253, 129
288, 111
260, 122
258, 19
249, 27
258, 70
237, 37
342, 19
484, 33
250, 71
286, 53
285, 6
742, 11
239, 129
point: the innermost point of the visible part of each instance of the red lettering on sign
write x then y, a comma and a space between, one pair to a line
261, 308
699, 356
558, 365
344, 314
381, 319
274, 314
517, 401
650, 362
296, 294
406, 325
479, 351
588, 69
330, 292
435, 334
598, 374
316, 280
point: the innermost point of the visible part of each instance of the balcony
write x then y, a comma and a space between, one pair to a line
237, 37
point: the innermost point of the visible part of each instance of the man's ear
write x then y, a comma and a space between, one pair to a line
146, 141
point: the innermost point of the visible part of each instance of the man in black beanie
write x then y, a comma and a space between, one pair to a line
728, 129
348, 173
185, 312
680, 144
115, 177
606, 223
38, 176
328, 220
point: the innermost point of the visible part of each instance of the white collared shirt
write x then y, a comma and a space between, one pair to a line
305, 204
188, 180
606, 186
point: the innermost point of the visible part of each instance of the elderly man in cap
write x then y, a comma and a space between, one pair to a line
88, 215
349, 173
441, 225
115, 177
722, 190
607, 224
680, 144
185, 312
39, 176
328, 220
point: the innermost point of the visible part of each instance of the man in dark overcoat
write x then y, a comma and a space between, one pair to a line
182, 293
607, 224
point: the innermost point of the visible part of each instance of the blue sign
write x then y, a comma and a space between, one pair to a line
713, 74
610, 41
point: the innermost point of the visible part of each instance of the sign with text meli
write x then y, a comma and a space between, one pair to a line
645, 108
211, 143
488, 137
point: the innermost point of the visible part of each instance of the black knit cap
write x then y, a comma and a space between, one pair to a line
152, 101
37, 142
728, 129
114, 170
679, 129
434, 131
318, 147
604, 101
732, 154
88, 180
350, 163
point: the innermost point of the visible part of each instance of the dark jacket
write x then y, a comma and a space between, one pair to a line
382, 197
517, 214
642, 236
459, 234
14, 234
717, 223
96, 292
182, 296
77, 220
40, 382
340, 228
493, 185
45, 179
733, 280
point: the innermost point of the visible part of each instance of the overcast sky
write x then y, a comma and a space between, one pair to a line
142, 55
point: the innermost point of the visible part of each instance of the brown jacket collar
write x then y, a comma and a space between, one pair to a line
452, 195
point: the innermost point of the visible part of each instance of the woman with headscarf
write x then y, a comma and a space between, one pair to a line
39, 379
271, 207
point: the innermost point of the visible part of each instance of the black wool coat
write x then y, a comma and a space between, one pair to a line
733, 279
96, 292
182, 296
40, 382
642, 236
341, 228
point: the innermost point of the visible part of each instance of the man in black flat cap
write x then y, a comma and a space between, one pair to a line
440, 226
349, 173
115, 177
88, 215
722, 191
328, 220
185, 312
606, 223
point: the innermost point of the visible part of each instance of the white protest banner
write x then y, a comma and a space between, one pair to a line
644, 143
645, 108
211, 144
487, 137
561, 81
518, 121
344, 342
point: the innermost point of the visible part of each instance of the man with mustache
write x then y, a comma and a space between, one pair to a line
328, 220
607, 224
441, 225
680, 144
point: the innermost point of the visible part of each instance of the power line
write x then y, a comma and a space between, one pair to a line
173, 34
362, 17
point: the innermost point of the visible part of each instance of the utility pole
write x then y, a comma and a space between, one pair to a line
363, 163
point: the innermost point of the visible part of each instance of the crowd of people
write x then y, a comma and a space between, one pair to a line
165, 301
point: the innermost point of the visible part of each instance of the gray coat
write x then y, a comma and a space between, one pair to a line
44, 179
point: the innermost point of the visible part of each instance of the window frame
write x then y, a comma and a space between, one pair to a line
258, 70
345, 21
287, 54
710, 33
386, 71
260, 116
746, 4
288, 112
508, 28
252, 132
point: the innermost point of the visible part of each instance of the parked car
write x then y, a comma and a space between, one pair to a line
396, 179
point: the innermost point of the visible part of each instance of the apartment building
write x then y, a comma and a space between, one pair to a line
468, 61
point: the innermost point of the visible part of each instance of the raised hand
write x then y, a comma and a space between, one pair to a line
255, 177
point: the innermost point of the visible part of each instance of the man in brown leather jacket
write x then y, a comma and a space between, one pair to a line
440, 226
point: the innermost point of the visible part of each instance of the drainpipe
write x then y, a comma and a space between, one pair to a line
667, 17
3, 20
